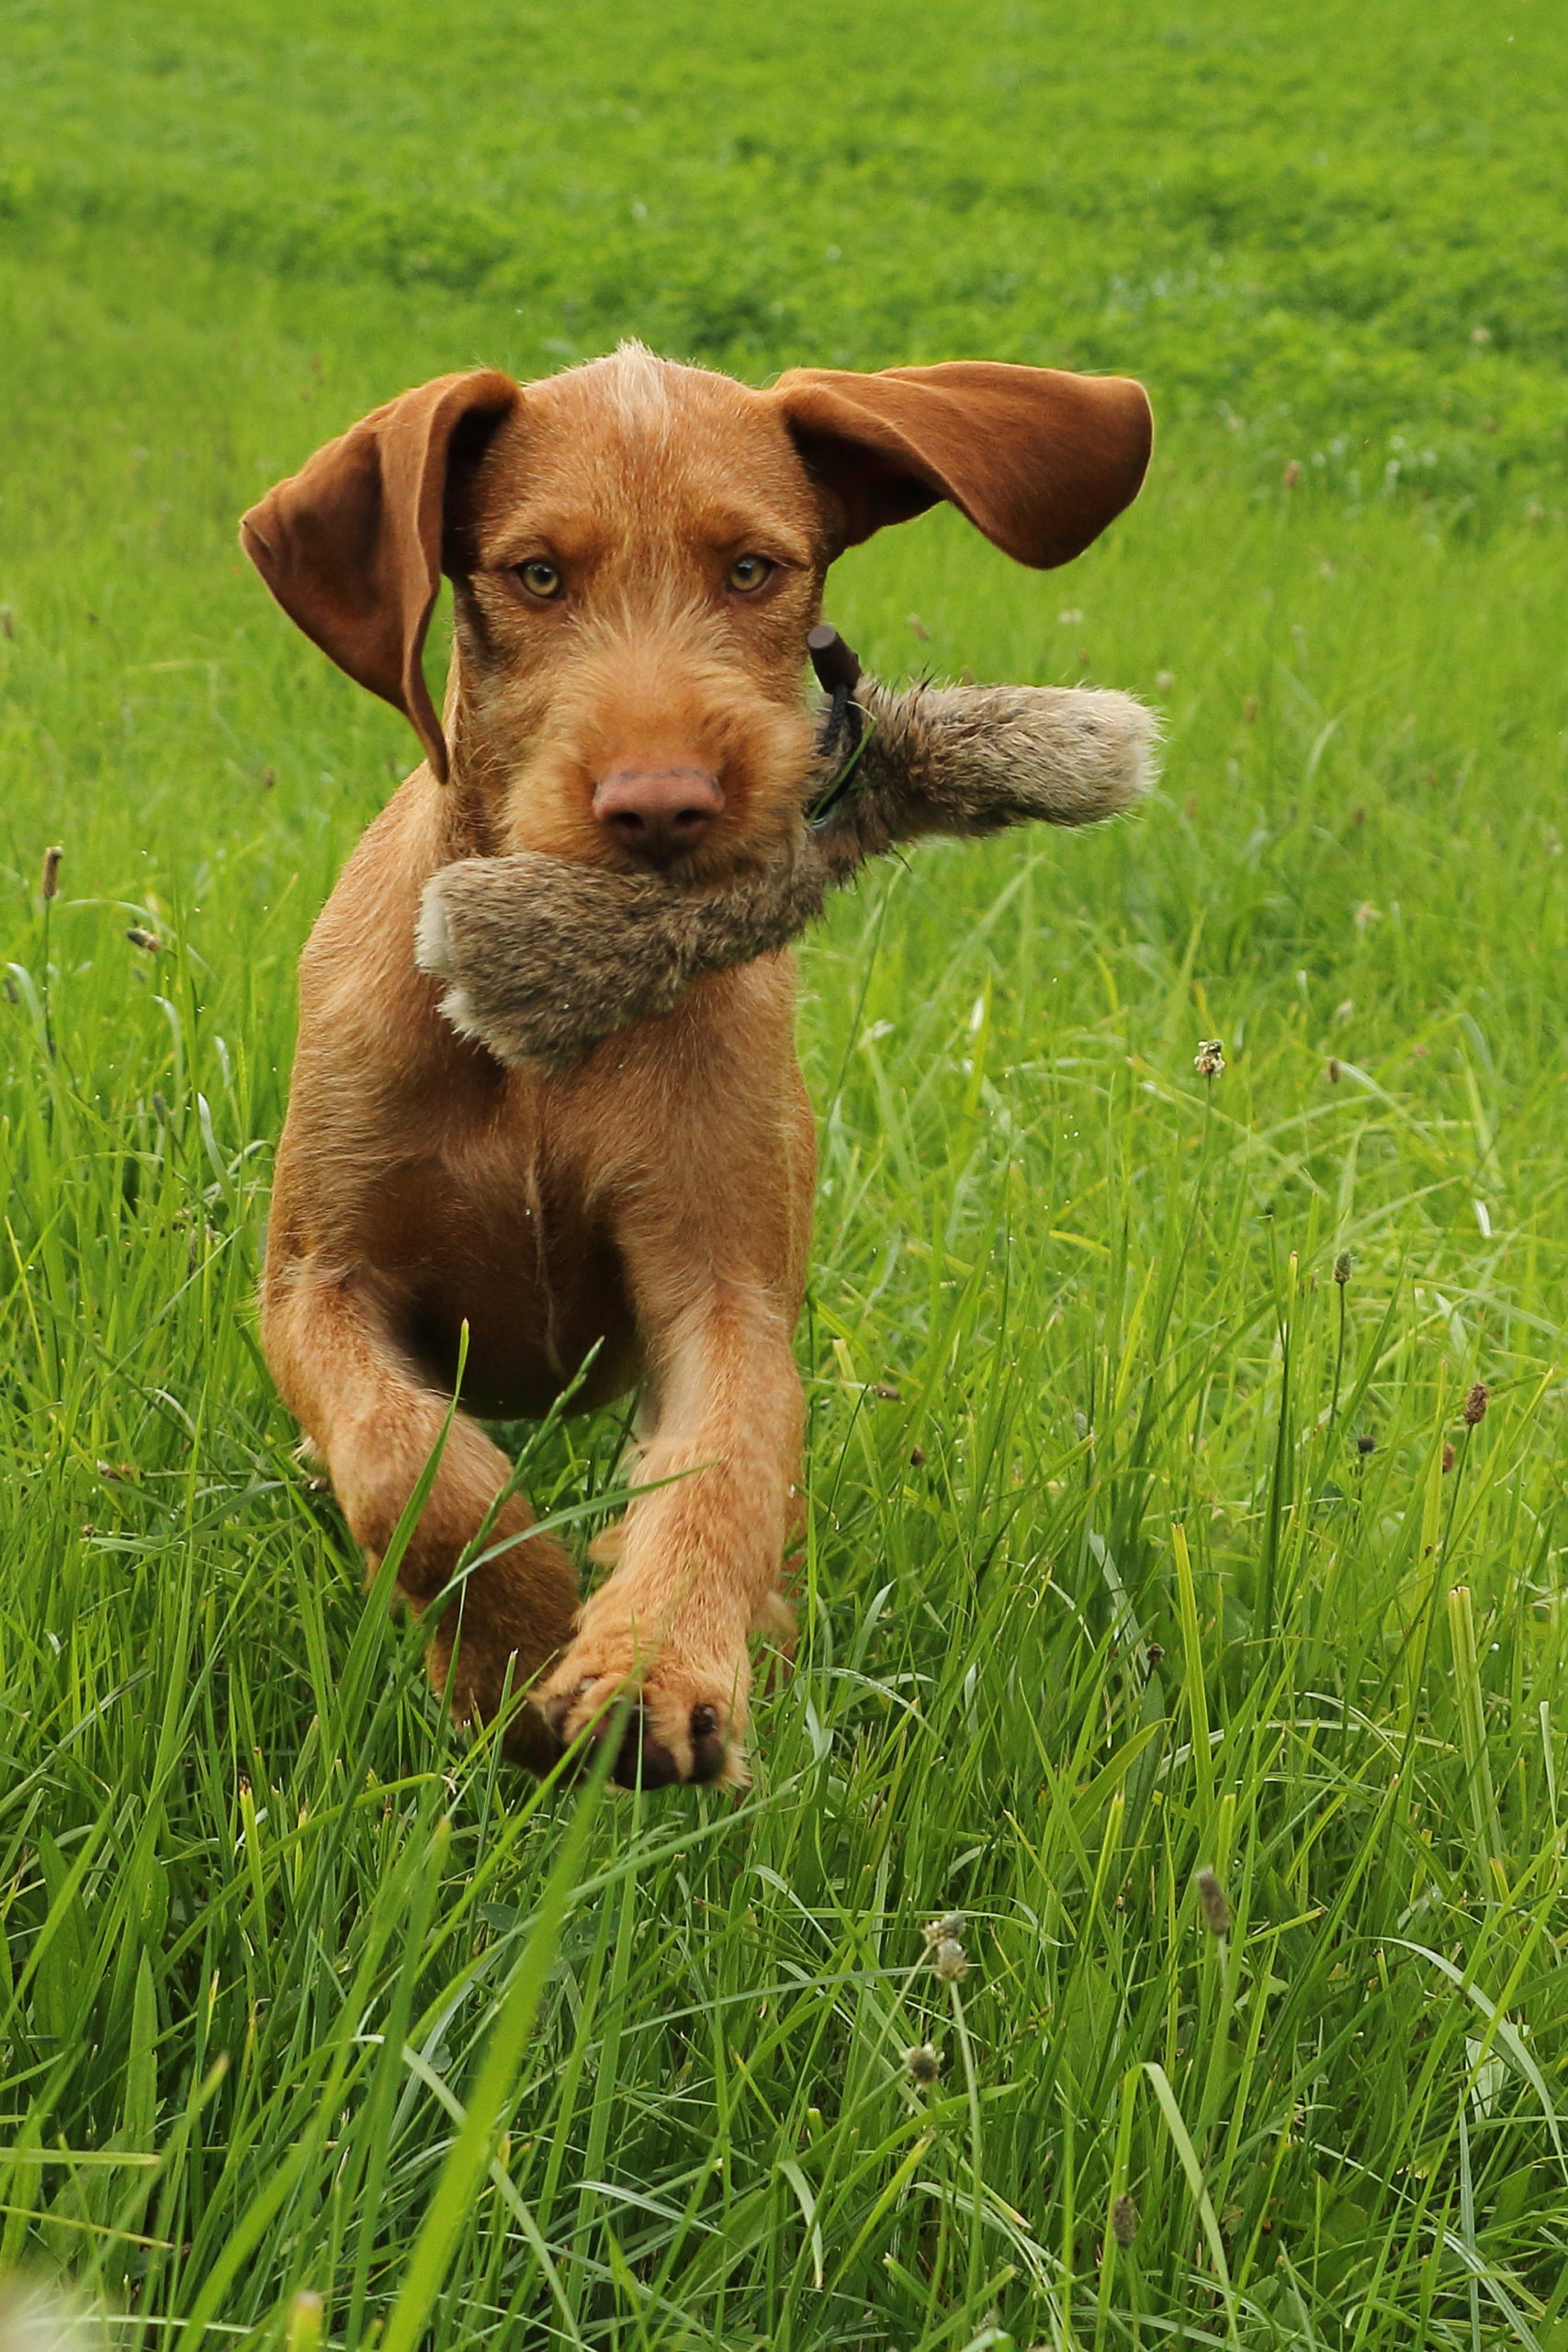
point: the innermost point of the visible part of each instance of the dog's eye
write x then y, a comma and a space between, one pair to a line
750, 572
539, 578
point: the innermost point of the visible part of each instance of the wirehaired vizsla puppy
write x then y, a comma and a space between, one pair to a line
638, 552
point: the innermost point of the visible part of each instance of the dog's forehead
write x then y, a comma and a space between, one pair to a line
636, 436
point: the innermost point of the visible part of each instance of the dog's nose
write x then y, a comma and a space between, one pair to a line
658, 813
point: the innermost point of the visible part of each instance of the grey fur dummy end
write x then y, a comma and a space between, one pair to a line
546, 957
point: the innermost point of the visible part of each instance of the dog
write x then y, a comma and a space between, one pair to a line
636, 551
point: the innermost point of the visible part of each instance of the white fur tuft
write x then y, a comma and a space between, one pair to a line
433, 937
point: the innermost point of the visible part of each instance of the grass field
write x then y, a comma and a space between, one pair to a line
1141, 1544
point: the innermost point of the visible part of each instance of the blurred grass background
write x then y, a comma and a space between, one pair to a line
1132, 1550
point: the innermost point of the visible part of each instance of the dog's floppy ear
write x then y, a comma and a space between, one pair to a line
1039, 460
351, 545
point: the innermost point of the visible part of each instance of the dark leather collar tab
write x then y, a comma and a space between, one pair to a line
845, 726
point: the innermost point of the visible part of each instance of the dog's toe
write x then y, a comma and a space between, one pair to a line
557, 1713
707, 1744
648, 1761
643, 1760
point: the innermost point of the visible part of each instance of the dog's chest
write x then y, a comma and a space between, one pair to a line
509, 1242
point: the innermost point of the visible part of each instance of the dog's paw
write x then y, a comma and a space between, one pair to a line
686, 1721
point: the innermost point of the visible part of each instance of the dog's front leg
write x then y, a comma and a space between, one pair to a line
701, 1548
706, 1165
375, 1425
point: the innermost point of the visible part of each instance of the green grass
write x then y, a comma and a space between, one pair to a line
1132, 1548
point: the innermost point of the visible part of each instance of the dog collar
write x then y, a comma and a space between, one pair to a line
838, 673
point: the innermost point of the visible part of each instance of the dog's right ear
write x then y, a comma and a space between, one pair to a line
351, 545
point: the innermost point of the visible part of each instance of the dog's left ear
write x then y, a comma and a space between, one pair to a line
351, 546
1039, 460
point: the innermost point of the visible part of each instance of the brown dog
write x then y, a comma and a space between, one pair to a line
636, 551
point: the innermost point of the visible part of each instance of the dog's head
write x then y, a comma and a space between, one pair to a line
638, 550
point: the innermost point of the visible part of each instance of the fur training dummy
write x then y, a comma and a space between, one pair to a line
544, 957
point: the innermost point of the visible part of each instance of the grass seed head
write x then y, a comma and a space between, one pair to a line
1214, 1903
1343, 1266
949, 1960
922, 2065
49, 881
950, 1926
1124, 2220
1475, 1405
304, 2322
1209, 1057
140, 936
